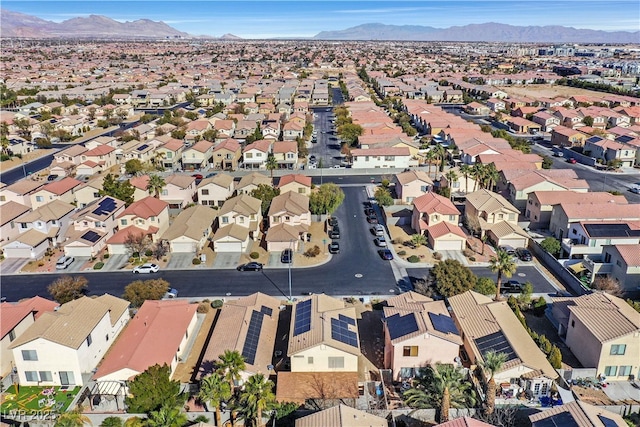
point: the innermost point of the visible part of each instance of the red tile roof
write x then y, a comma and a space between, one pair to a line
300, 179
62, 186
12, 314
434, 203
100, 150
145, 208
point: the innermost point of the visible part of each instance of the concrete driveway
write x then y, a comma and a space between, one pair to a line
226, 260
181, 260
76, 265
13, 265
115, 262
457, 255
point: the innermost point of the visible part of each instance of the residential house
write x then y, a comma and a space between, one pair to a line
567, 137
225, 128
459, 184
149, 214
602, 332
411, 185
227, 154
619, 261
15, 319
296, 183
496, 104
215, 190
243, 212
490, 213
198, 155
251, 181
341, 416
577, 413
62, 190
477, 109
64, 344
522, 125
9, 228
254, 155
566, 213
418, 331
289, 221
103, 155
247, 325
179, 191
65, 161
196, 128
588, 238
169, 154
486, 325
158, 334
21, 191
438, 218
92, 226
522, 183
51, 219
292, 130
608, 151
141, 185
285, 154
387, 157
546, 120
89, 191
31, 244
190, 231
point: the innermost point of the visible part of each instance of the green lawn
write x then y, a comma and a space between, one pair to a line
31, 399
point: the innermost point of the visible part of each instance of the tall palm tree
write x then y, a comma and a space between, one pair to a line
430, 157
451, 176
441, 152
230, 366
256, 397
441, 387
476, 174
502, 264
155, 185
157, 159
214, 390
271, 163
167, 416
492, 363
491, 175
72, 419
465, 170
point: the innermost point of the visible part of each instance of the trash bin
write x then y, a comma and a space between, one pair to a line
308, 237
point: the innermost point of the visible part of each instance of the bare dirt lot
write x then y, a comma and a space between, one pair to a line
549, 91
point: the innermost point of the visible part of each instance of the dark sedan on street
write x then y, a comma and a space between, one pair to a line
250, 266
385, 254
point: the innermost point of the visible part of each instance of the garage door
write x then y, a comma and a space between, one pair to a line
449, 245
228, 246
17, 252
515, 243
182, 247
77, 251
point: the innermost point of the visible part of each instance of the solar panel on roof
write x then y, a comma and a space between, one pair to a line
347, 319
105, 206
302, 322
562, 419
266, 310
91, 236
624, 138
253, 336
610, 230
443, 323
496, 342
608, 422
340, 332
594, 139
142, 147
400, 326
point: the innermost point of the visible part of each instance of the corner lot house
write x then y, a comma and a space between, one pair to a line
438, 218
63, 345
157, 334
411, 185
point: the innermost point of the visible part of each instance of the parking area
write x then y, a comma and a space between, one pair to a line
77, 265
226, 260
180, 260
115, 262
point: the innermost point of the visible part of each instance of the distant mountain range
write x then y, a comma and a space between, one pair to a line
489, 32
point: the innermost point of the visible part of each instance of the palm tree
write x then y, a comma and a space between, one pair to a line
451, 176
441, 387
465, 170
491, 175
492, 363
157, 159
167, 416
72, 419
430, 157
256, 397
418, 240
214, 390
441, 153
271, 163
155, 185
476, 173
503, 264
230, 366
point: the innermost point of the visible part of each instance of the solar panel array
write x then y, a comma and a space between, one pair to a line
106, 206
142, 147
302, 321
608, 422
496, 342
625, 138
91, 236
562, 419
266, 310
399, 326
349, 320
340, 331
610, 230
443, 323
253, 336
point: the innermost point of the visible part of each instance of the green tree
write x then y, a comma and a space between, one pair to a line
418, 240
68, 288
326, 199
121, 190
465, 170
440, 387
214, 390
383, 196
137, 292
485, 286
555, 357
210, 134
256, 397
551, 245
167, 416
547, 162
587, 120
441, 154
349, 133
133, 167
155, 185
452, 177
230, 366
255, 136
490, 176
152, 389
504, 265
23, 124
72, 419
111, 422
452, 278
266, 194
271, 164
491, 363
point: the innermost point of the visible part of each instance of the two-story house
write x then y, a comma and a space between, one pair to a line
9, 228
227, 154
251, 181
190, 230
289, 221
51, 219
296, 183
150, 215
385, 157
438, 218
588, 238
62, 190
169, 154
64, 344
179, 191
566, 213
567, 137
215, 190
254, 155
239, 221
21, 191
102, 155
609, 151
411, 185
198, 155
285, 154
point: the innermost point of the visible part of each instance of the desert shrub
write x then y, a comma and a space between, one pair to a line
401, 253
472, 258
312, 252
437, 256
105, 256
196, 261
413, 258
254, 255
203, 307
555, 357
216, 303
98, 265
40, 263
539, 306
148, 252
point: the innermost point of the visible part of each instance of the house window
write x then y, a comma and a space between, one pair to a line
456, 184
241, 220
452, 217
500, 216
45, 376
424, 188
89, 340
165, 192
30, 355
96, 194
610, 371
336, 362
310, 360
302, 190
625, 371
512, 217
12, 335
205, 192
366, 158
123, 222
97, 223
536, 389
410, 351
618, 263
389, 158
106, 337
39, 199
23, 225
225, 220
31, 376
152, 219
618, 349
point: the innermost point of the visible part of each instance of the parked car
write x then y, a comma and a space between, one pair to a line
64, 262
385, 254
250, 266
146, 268
334, 248
511, 286
209, 175
333, 221
378, 230
572, 160
171, 293
52, 177
508, 249
523, 254
368, 204
380, 241
335, 233
369, 211
287, 256
197, 175
312, 159
372, 219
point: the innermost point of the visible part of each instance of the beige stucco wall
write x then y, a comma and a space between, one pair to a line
321, 355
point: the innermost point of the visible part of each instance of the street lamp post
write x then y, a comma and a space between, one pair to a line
290, 262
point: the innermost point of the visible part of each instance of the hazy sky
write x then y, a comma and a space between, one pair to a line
263, 19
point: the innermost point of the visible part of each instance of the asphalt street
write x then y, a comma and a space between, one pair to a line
8, 177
